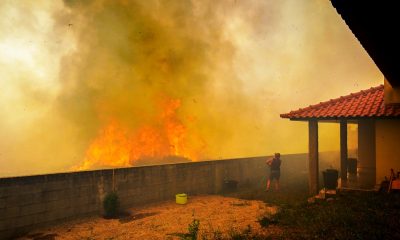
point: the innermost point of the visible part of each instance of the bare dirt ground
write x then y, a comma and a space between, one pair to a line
219, 217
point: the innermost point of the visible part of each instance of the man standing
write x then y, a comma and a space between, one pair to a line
275, 173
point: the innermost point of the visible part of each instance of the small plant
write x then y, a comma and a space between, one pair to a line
193, 230
111, 205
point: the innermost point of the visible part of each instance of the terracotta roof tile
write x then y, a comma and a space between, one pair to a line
366, 103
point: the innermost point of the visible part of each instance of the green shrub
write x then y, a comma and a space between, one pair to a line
111, 205
193, 230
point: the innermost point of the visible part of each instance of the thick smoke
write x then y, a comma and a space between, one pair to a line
233, 65
130, 53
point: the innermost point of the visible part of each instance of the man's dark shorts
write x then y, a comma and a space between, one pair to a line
274, 175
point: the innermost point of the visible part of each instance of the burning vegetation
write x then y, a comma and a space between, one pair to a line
166, 139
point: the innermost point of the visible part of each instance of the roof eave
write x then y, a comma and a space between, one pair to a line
342, 118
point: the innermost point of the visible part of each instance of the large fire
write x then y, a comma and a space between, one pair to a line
118, 146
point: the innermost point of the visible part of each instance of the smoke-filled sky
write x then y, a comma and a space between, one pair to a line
218, 73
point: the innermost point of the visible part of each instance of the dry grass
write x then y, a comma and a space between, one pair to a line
219, 216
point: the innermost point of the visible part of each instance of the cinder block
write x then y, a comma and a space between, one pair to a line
32, 209
26, 199
53, 195
9, 212
54, 215
24, 221
56, 185
59, 204
2, 203
6, 224
85, 209
7, 233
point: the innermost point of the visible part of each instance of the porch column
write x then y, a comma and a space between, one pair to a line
343, 151
366, 153
313, 157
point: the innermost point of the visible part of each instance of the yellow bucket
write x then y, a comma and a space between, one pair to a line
181, 198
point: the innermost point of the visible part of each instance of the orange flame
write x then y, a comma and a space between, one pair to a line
118, 146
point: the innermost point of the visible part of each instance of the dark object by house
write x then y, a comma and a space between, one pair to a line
384, 186
330, 178
352, 165
230, 185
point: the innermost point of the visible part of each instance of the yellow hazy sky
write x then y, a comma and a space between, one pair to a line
69, 68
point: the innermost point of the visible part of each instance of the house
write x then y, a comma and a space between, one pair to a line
378, 133
375, 110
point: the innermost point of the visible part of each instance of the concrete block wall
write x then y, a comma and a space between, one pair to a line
30, 202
